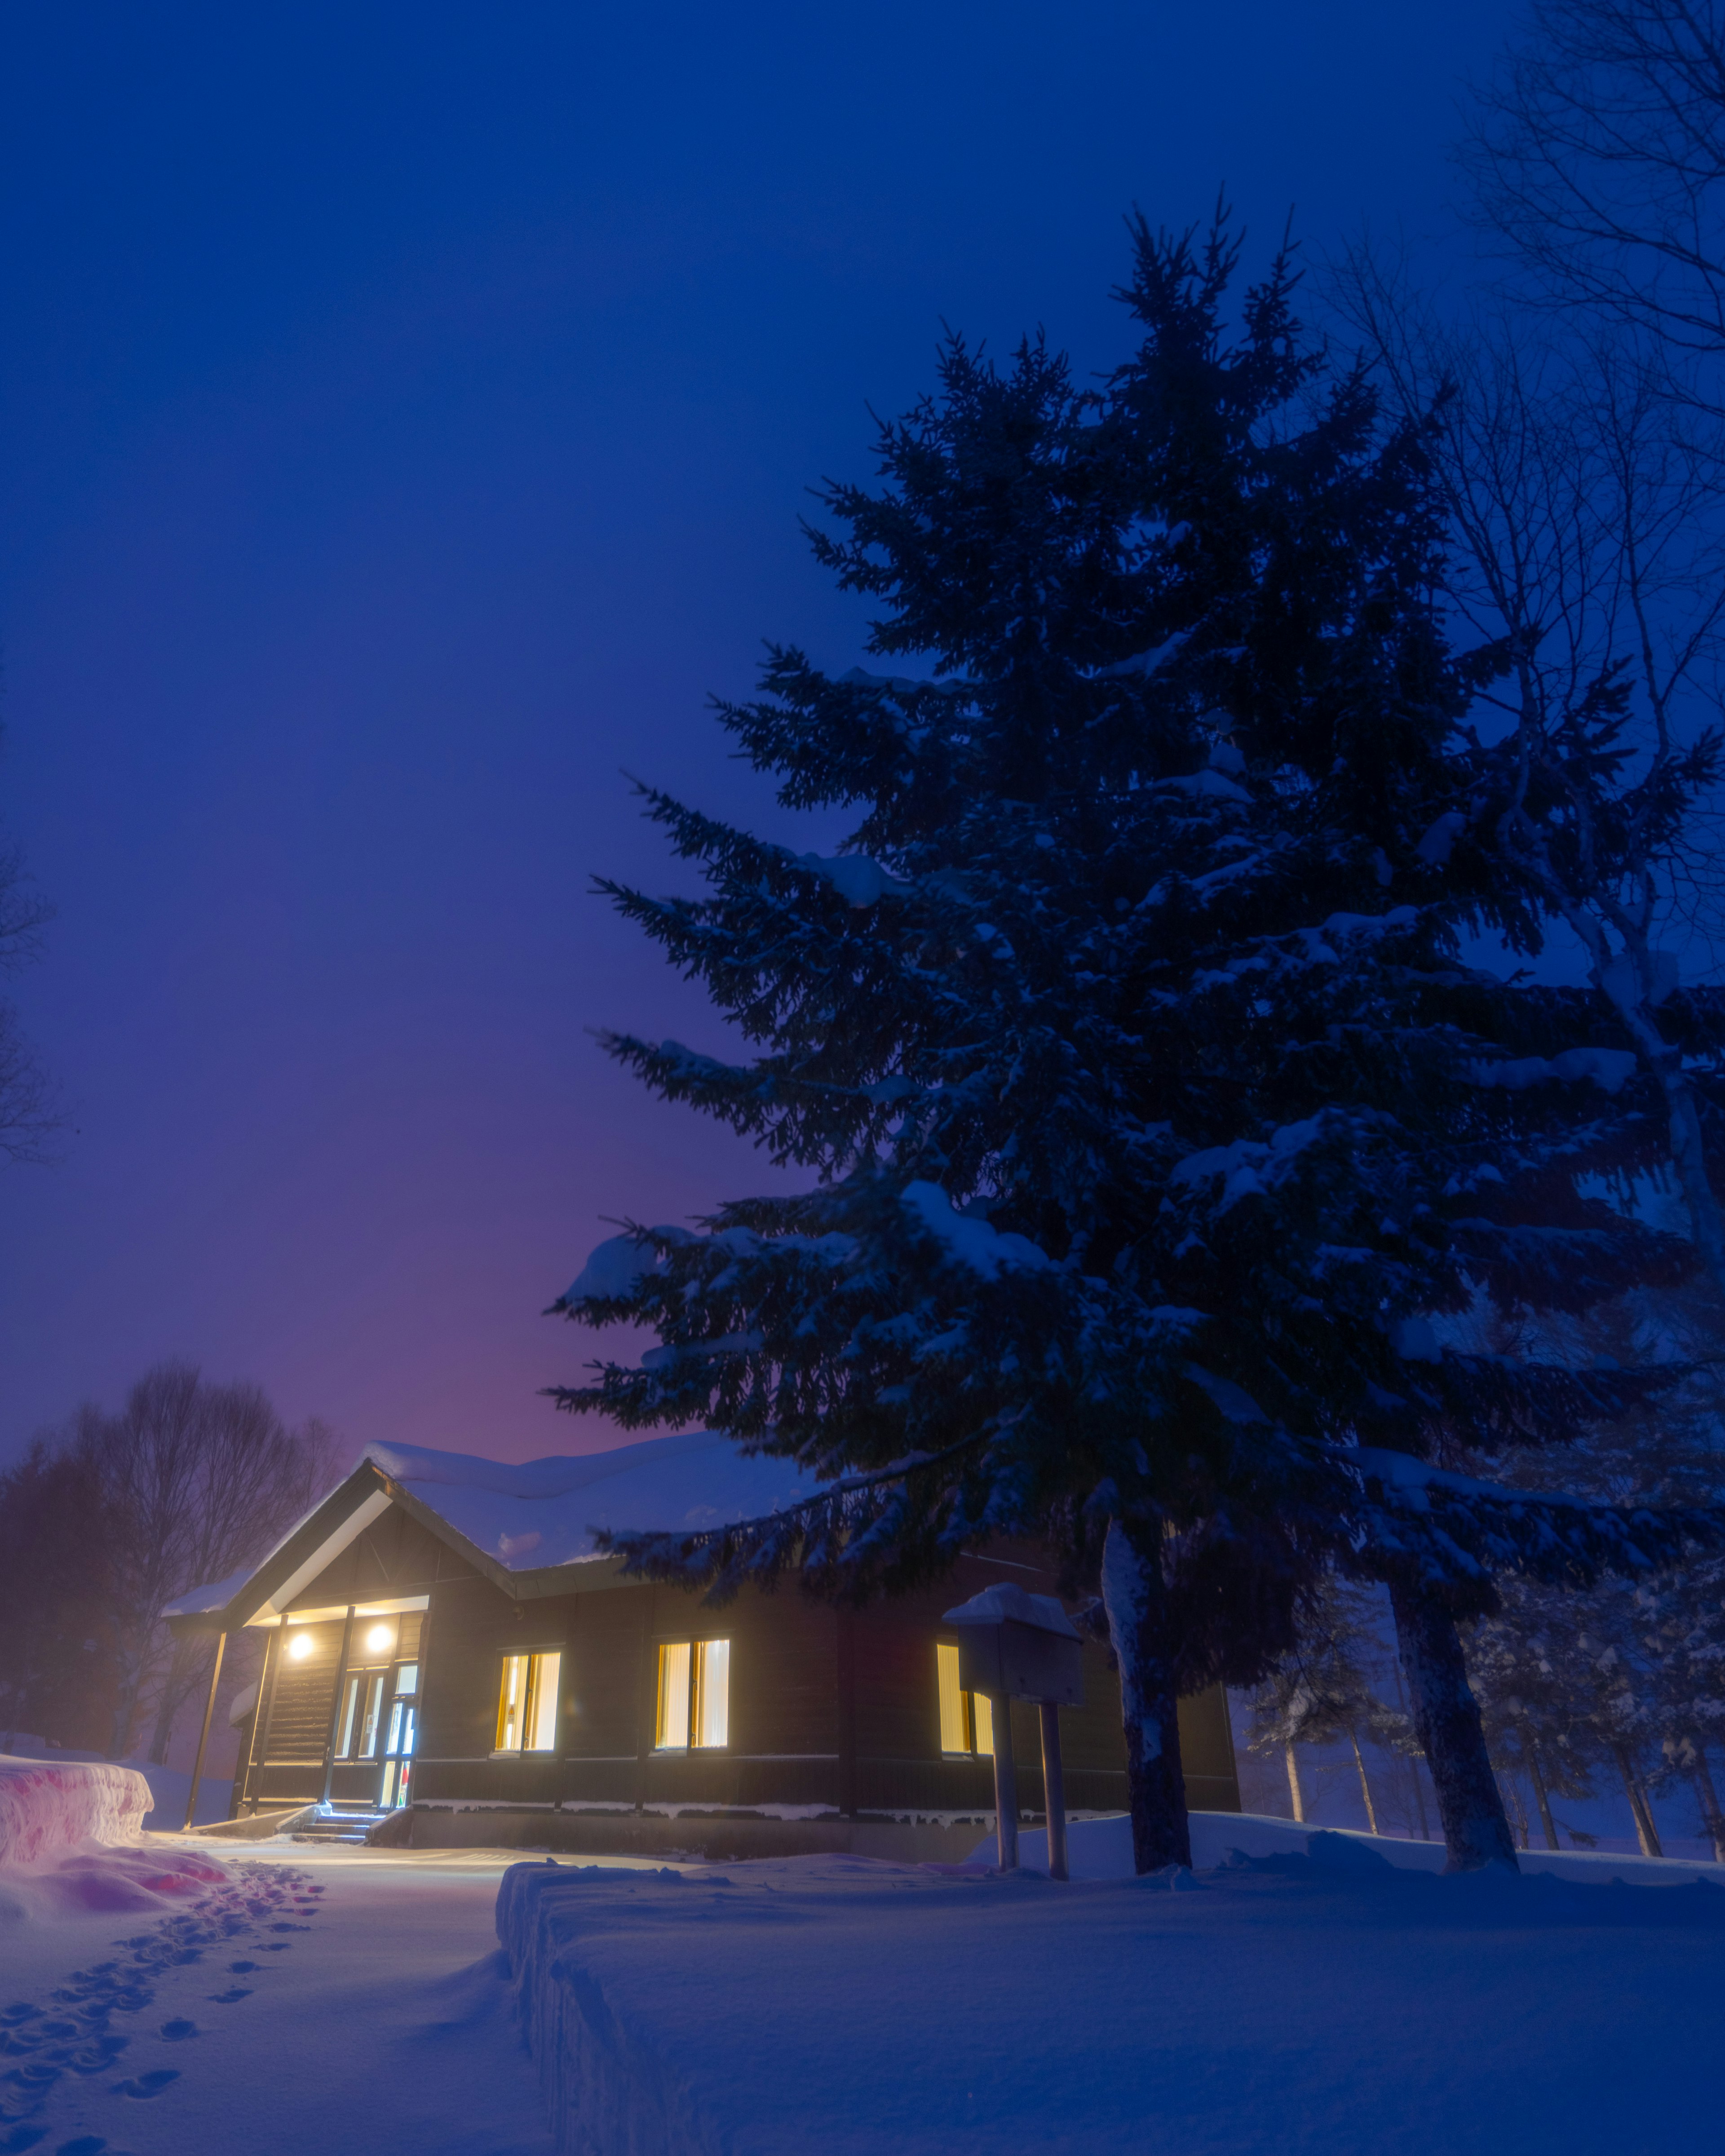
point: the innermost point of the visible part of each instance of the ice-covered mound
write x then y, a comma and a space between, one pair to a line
49, 1808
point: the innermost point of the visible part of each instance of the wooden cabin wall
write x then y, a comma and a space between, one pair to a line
828, 1709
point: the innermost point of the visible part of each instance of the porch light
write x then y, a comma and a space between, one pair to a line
378, 1638
299, 1646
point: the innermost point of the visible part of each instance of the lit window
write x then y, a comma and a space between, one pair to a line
349, 1714
967, 1719
527, 1702
694, 1696
374, 1711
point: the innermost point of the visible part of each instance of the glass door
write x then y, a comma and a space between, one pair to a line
398, 1736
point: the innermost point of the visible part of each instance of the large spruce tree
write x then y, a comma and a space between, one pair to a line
1154, 1112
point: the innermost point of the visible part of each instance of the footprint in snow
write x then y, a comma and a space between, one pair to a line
143, 2085
71, 2036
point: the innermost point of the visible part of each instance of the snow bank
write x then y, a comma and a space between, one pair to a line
48, 1807
1325, 2000
1102, 1848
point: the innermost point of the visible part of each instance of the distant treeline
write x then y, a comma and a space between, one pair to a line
108, 1520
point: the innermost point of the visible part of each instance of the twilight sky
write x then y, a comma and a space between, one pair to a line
405, 413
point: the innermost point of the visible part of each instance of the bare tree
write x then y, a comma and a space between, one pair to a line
197, 1480
1597, 150
1587, 510
1324, 1690
27, 1111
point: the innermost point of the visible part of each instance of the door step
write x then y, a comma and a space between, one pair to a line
333, 1824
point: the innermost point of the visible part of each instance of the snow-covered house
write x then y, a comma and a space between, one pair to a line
444, 1642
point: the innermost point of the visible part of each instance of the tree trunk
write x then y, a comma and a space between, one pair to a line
1412, 1760
1294, 1792
1517, 1810
1365, 1787
1688, 1149
1541, 1796
1710, 1817
1446, 1720
1136, 1601
1646, 1833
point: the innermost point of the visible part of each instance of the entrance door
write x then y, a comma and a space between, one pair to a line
377, 1726
398, 1738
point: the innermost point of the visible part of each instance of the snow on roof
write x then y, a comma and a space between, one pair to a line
201, 1600
543, 1511
537, 1512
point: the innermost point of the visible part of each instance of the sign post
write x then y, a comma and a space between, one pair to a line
1014, 1645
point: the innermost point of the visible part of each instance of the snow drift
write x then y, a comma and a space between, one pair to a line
1325, 2001
48, 1808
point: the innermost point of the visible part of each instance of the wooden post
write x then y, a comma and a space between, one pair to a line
329, 1748
274, 1649
646, 1696
847, 1713
566, 1670
1054, 1791
1006, 1783
209, 1708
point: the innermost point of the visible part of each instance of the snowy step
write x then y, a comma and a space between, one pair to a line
338, 1826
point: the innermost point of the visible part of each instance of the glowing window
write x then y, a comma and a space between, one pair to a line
350, 1714
710, 1714
694, 1696
527, 1702
967, 1719
374, 1710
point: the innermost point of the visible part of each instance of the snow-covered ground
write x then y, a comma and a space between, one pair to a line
1330, 2002
188, 1999
294, 1999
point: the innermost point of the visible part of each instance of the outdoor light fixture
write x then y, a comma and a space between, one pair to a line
299, 1646
378, 1638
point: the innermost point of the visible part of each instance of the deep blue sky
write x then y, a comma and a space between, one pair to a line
405, 413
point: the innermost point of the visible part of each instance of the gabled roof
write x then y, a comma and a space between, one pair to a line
529, 1527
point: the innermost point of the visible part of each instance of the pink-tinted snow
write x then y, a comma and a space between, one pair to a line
49, 1806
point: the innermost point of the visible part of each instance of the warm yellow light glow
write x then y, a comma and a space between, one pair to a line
709, 1718
955, 1735
527, 1703
300, 1645
672, 1731
694, 1696
379, 1639
967, 1719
